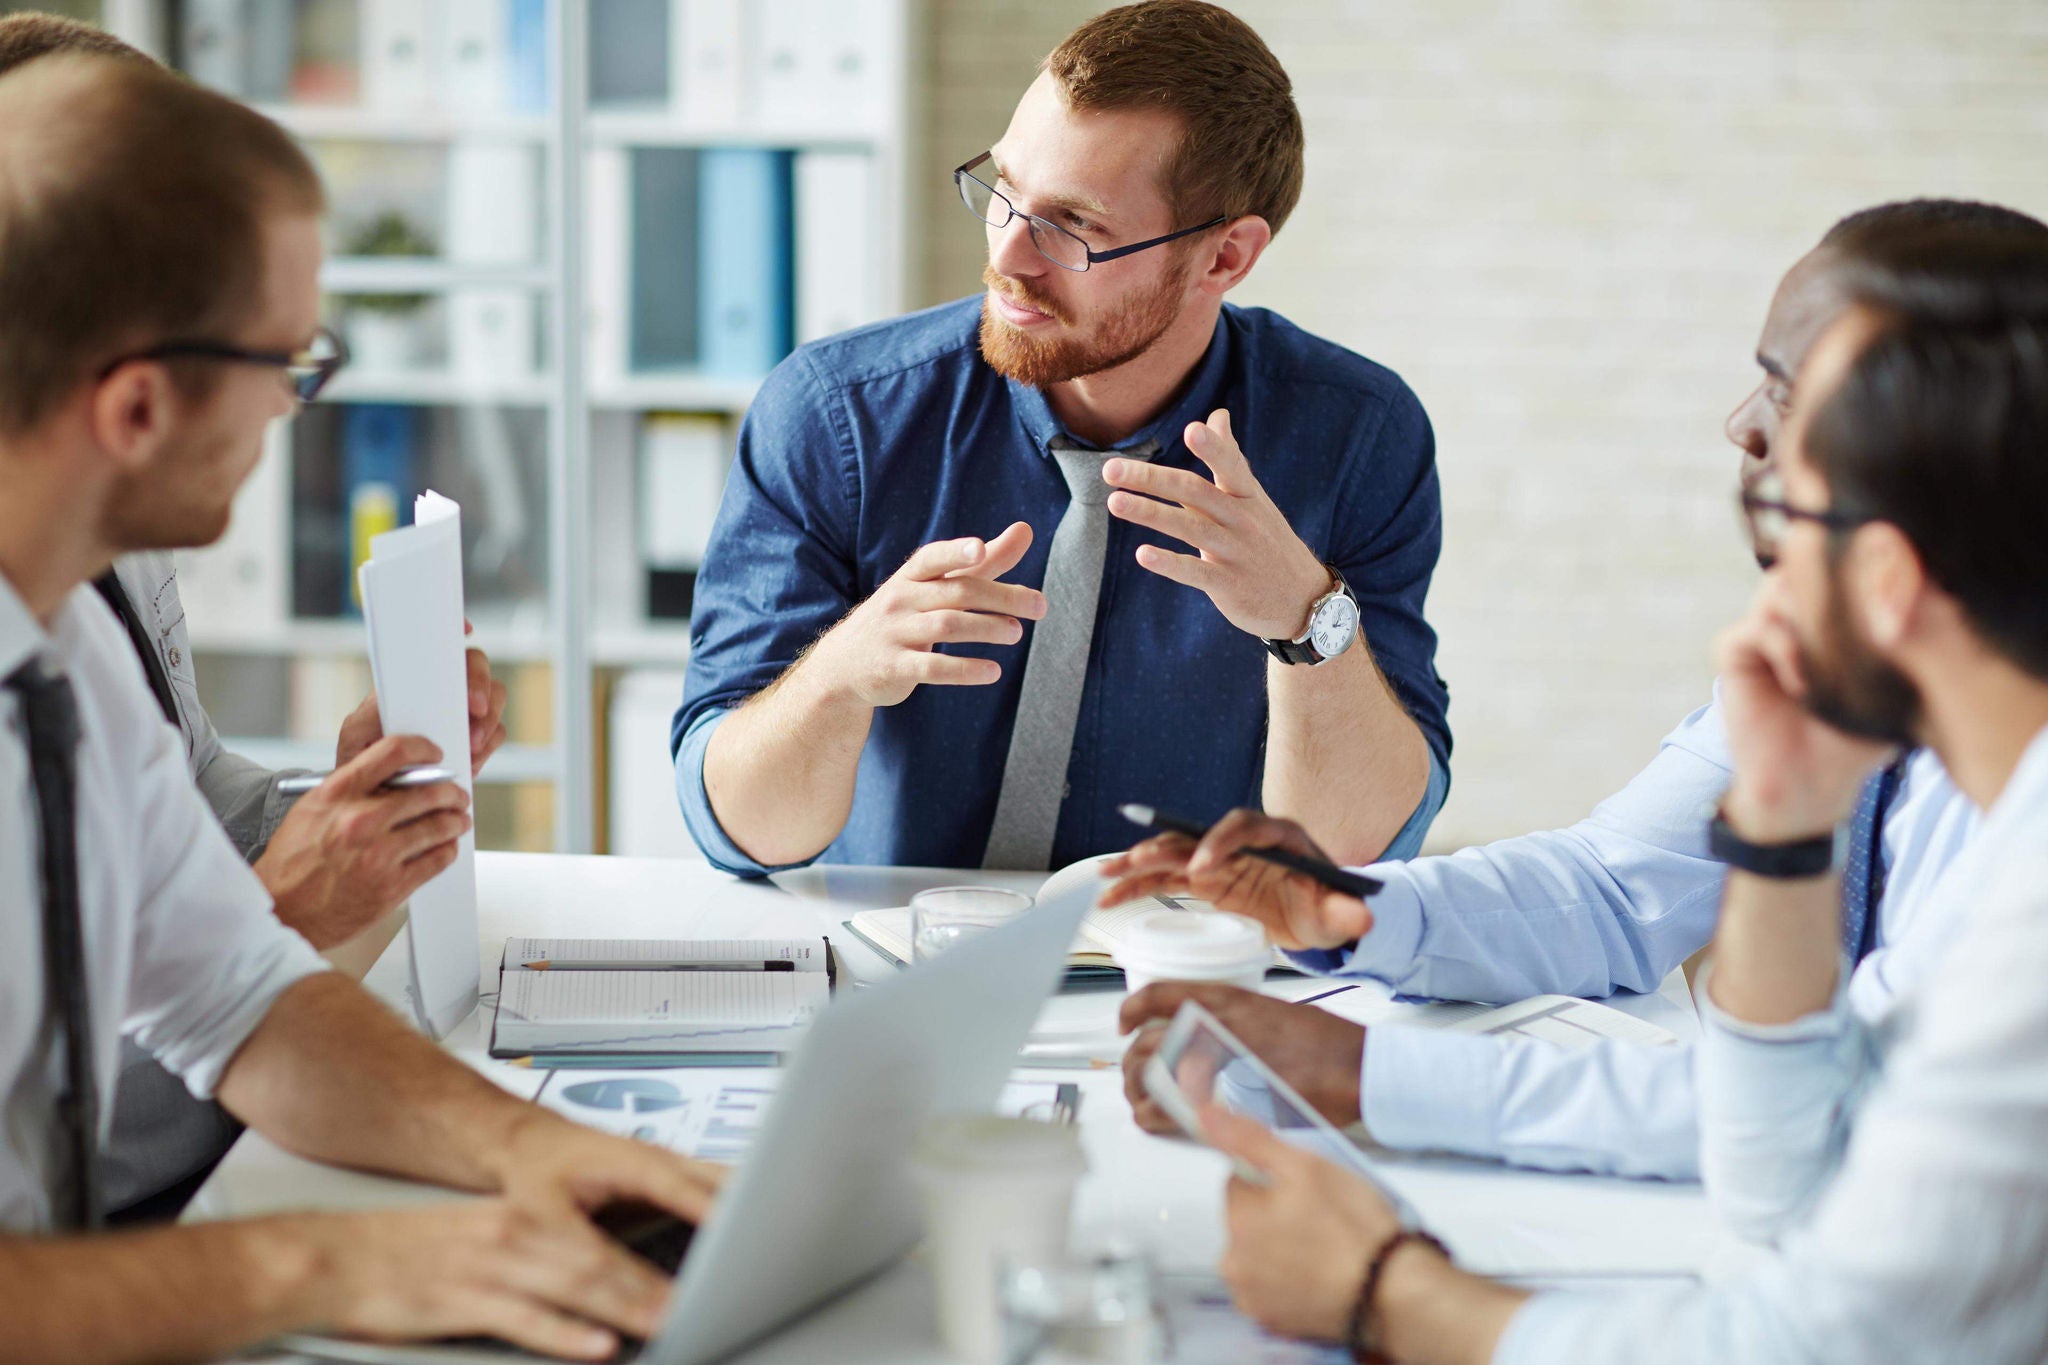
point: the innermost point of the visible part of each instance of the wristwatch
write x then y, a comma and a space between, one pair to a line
1332, 626
1792, 861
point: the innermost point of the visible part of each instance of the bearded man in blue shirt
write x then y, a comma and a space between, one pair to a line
985, 572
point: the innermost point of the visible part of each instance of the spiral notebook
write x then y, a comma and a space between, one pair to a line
625, 1010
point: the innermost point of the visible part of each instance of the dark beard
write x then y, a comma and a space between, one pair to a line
1124, 336
1852, 690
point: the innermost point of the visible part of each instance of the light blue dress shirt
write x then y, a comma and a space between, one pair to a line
1897, 1166
1611, 904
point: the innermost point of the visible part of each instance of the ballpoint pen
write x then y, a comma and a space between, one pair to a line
1327, 874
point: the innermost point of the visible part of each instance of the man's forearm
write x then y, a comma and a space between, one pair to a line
1778, 951
780, 769
180, 1293
1344, 759
334, 1076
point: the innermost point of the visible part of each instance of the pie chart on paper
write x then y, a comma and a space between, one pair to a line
625, 1094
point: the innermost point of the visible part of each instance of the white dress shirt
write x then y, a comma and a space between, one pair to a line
1904, 1167
1611, 903
182, 949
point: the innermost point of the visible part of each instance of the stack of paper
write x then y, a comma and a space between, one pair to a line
412, 605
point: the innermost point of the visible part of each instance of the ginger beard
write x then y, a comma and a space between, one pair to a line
1129, 328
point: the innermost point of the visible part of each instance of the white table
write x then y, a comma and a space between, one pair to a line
1159, 1195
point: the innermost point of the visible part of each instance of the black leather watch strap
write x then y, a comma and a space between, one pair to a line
1794, 861
1293, 651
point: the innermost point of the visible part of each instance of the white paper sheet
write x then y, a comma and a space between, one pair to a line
412, 608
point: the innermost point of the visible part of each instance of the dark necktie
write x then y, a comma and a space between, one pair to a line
109, 587
1863, 874
49, 715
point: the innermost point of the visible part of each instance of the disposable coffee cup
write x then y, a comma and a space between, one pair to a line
1192, 945
996, 1192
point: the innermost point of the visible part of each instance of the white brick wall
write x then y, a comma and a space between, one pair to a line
1561, 221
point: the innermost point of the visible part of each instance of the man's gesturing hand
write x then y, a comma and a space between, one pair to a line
1249, 561
1312, 1050
1297, 911
946, 593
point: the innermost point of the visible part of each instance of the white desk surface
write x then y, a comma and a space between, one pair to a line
1160, 1195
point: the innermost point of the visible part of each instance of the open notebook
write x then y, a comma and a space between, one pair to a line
1092, 957
628, 1011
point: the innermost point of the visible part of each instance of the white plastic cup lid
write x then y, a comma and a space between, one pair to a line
1210, 942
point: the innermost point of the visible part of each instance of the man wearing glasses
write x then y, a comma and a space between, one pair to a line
1614, 902
337, 861
1091, 537
1900, 1160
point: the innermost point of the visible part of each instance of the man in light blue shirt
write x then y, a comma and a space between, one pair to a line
1897, 1165
1613, 903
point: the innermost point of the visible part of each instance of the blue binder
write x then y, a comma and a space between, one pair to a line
379, 451
527, 52
746, 276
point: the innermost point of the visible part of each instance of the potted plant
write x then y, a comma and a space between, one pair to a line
383, 330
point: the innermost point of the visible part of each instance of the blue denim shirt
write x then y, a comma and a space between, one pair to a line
863, 447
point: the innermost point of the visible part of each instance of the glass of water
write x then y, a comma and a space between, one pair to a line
947, 915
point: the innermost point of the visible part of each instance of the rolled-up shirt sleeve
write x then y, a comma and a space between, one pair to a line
779, 572
210, 957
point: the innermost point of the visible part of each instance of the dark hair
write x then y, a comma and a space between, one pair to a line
1940, 426
132, 209
25, 37
1241, 143
1870, 229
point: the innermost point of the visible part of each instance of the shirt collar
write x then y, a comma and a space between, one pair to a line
1202, 395
21, 635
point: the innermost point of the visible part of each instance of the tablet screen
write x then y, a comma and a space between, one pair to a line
1200, 1063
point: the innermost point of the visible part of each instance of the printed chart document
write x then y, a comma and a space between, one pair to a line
624, 1008
1561, 1020
412, 610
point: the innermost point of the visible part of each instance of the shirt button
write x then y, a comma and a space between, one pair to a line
1066, 790
177, 656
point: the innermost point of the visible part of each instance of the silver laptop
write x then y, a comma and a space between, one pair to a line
824, 1199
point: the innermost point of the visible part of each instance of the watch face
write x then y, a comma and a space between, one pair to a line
1335, 626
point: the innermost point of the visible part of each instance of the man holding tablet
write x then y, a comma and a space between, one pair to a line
1620, 899
978, 568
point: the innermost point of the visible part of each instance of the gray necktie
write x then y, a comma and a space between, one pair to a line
1042, 741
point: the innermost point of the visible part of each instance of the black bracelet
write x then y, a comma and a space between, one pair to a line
1791, 861
1363, 1349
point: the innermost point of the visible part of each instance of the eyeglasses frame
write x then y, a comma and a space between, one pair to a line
1753, 503
965, 171
306, 386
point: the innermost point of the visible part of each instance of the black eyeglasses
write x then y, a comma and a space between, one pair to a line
307, 370
1768, 516
1054, 242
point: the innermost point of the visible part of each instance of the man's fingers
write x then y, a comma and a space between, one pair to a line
1005, 552
479, 667
403, 805
381, 761
1242, 829
1247, 1139
1158, 1001
1191, 528
1186, 570
966, 627
1214, 444
953, 670
977, 594
942, 557
1183, 486
572, 1265
410, 841
528, 1324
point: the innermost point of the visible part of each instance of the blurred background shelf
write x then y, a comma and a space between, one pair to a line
565, 344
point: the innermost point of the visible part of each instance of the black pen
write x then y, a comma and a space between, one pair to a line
1328, 874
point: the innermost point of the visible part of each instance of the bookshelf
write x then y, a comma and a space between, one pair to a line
545, 216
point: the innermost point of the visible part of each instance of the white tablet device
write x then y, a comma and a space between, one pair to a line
1200, 1063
